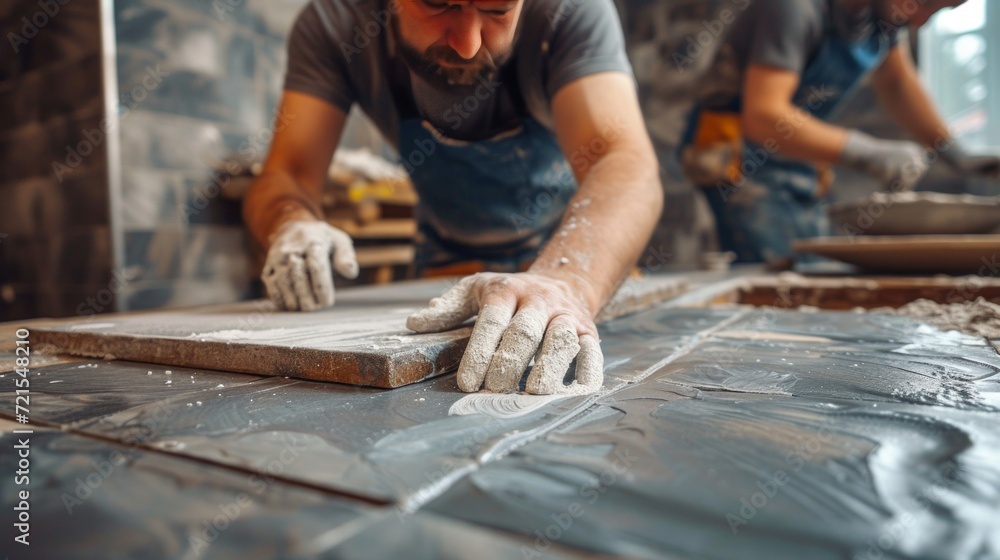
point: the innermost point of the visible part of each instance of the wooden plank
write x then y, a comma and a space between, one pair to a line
362, 340
387, 255
398, 228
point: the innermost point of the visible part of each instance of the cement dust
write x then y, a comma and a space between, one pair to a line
979, 318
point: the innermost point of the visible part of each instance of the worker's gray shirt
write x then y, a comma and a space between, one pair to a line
781, 34
339, 51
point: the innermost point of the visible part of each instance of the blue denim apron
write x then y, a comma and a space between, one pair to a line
789, 207
493, 201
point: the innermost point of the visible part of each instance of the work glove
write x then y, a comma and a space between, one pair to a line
898, 165
520, 317
297, 273
984, 166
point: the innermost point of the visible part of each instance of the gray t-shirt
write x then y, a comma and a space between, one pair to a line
341, 51
782, 34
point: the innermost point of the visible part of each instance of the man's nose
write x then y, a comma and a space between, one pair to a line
465, 35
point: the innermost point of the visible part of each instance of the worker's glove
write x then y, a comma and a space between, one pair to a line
520, 317
969, 165
297, 272
898, 165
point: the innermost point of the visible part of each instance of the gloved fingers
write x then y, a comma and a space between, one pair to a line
590, 364
270, 280
983, 166
345, 260
560, 345
455, 307
320, 274
283, 287
300, 284
910, 173
486, 335
519, 343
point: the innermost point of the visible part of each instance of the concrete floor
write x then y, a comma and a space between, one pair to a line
720, 433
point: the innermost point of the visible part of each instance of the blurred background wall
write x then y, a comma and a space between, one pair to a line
55, 240
121, 121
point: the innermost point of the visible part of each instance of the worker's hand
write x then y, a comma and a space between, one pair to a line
985, 166
896, 164
519, 315
297, 272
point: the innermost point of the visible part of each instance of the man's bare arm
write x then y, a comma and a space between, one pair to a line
283, 208
770, 119
769, 116
291, 185
601, 130
550, 309
899, 90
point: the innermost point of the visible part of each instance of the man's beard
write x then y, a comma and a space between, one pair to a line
466, 72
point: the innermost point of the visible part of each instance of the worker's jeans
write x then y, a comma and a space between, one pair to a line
761, 217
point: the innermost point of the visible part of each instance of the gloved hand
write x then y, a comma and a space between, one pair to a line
897, 164
519, 315
957, 158
297, 272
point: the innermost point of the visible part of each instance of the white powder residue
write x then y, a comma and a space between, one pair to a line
509, 405
771, 336
241, 335
91, 326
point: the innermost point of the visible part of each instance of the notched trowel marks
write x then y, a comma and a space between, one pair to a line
510, 405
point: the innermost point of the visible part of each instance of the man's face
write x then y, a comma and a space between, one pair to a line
455, 42
913, 13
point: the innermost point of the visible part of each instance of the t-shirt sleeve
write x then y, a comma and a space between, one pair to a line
784, 34
316, 64
587, 38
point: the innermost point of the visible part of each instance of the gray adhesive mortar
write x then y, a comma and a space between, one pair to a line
980, 317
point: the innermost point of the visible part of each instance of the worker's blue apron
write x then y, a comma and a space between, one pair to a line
495, 201
790, 207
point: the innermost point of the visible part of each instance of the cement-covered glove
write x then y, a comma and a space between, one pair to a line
982, 166
897, 164
520, 317
297, 272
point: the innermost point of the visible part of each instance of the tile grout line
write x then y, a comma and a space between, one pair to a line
504, 446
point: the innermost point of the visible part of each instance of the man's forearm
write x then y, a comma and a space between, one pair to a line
607, 225
273, 199
911, 108
900, 91
795, 134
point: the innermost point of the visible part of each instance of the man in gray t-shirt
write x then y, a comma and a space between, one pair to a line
519, 125
759, 141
